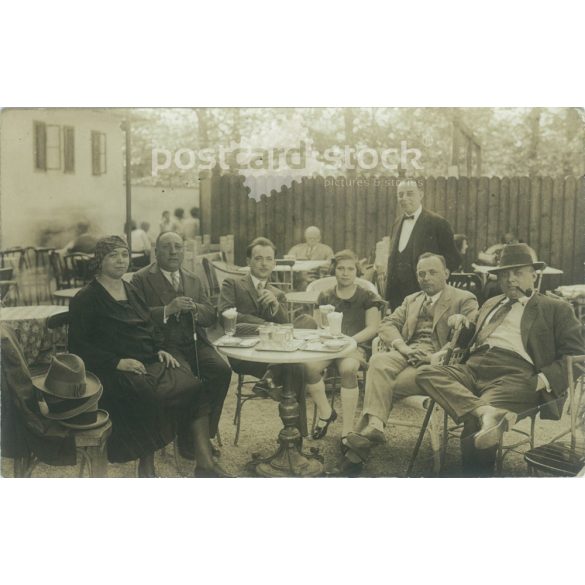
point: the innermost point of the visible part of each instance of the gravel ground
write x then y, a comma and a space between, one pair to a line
260, 427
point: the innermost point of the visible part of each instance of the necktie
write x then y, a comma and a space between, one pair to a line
409, 216
496, 320
260, 287
176, 277
426, 306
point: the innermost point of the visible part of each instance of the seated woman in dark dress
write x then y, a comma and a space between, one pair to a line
361, 317
148, 393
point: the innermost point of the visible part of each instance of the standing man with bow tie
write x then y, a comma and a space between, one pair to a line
415, 232
515, 365
180, 310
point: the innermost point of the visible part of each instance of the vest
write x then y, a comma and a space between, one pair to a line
424, 326
402, 261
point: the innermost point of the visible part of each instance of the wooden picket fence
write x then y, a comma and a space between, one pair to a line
547, 213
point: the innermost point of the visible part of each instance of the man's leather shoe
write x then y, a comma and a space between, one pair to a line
359, 445
215, 471
345, 469
373, 434
493, 425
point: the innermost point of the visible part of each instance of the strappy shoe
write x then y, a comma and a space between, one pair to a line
320, 432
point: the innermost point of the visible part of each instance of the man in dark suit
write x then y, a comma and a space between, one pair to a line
416, 231
181, 311
257, 302
515, 365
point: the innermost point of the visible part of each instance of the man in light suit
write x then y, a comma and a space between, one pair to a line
416, 333
257, 302
181, 311
516, 361
416, 231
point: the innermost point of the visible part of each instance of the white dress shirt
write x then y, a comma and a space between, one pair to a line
169, 276
257, 281
407, 227
508, 334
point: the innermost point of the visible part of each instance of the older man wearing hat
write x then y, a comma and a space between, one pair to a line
515, 364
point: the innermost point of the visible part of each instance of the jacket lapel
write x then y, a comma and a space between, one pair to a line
484, 312
250, 288
396, 234
188, 285
412, 316
529, 317
442, 305
161, 286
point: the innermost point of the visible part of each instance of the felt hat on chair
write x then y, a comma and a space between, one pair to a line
67, 378
517, 256
66, 408
87, 420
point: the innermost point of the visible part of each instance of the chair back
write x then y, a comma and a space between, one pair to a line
328, 282
29, 257
467, 281
576, 370
6, 274
58, 320
56, 264
12, 257
212, 282
5, 283
223, 271
77, 268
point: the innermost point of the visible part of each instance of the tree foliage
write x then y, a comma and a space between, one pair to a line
514, 141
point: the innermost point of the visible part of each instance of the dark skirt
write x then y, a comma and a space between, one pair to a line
146, 409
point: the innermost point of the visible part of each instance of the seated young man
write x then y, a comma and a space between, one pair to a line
257, 302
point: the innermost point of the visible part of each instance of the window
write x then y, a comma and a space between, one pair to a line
98, 153
53, 147
48, 151
68, 149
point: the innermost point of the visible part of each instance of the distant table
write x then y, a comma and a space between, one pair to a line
63, 296
483, 271
30, 325
299, 266
288, 460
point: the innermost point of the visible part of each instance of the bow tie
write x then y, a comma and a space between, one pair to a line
409, 216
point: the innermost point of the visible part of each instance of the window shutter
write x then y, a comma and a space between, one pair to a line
40, 146
68, 149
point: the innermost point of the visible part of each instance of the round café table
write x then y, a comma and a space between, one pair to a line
30, 325
288, 460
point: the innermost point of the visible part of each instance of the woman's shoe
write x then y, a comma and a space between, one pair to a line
320, 432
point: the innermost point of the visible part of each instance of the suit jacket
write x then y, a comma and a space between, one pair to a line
549, 331
402, 323
157, 292
242, 294
431, 233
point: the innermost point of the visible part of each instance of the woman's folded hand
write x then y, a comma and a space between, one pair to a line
131, 365
168, 360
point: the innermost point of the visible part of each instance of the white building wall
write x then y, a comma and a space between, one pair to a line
33, 202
